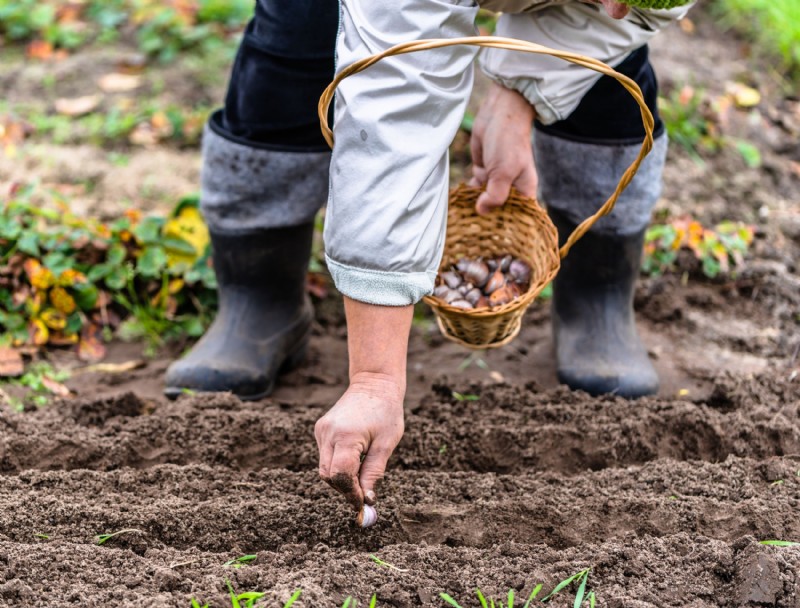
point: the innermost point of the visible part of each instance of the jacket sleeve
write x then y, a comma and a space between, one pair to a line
553, 86
385, 222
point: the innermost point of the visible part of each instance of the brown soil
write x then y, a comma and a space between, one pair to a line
665, 498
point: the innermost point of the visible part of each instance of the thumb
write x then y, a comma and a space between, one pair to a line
372, 470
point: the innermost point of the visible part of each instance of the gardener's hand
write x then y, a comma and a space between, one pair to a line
501, 148
368, 421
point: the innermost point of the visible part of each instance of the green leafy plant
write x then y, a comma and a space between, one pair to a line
774, 26
689, 121
64, 280
719, 250
39, 382
162, 29
465, 397
695, 120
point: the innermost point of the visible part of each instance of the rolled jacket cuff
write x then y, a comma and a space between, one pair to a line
379, 287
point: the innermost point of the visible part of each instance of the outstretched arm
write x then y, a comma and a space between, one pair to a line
367, 422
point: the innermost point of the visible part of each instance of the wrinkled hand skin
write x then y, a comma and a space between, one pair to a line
367, 420
501, 148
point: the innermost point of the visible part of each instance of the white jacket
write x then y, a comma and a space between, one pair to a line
394, 122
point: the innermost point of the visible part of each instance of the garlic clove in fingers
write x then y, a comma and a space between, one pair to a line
367, 517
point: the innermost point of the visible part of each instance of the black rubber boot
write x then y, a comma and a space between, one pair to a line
598, 348
264, 319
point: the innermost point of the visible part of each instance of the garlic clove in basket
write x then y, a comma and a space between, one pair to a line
504, 262
463, 264
520, 271
461, 304
495, 282
440, 291
452, 279
473, 296
477, 272
452, 295
501, 296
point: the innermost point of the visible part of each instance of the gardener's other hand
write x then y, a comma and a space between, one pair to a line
501, 148
367, 421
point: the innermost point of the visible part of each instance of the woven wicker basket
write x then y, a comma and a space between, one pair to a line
520, 227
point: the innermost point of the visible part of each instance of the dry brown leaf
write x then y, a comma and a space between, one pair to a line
91, 347
55, 387
111, 368
143, 135
687, 26
77, 106
116, 82
39, 49
11, 364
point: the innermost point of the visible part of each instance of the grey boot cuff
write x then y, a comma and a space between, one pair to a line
576, 178
245, 189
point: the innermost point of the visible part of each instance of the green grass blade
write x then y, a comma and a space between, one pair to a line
581, 592
592, 600
533, 595
347, 602
481, 599
373, 601
565, 583
234, 602
510, 598
779, 543
450, 600
290, 602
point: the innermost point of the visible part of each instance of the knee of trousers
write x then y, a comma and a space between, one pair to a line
576, 178
246, 188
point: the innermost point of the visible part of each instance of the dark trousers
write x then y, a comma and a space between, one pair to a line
286, 60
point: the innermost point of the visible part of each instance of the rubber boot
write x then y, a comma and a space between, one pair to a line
598, 348
264, 319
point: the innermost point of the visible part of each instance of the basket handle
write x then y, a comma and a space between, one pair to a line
512, 45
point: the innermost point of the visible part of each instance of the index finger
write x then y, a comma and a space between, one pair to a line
344, 469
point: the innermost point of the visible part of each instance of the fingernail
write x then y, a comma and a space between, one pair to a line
370, 497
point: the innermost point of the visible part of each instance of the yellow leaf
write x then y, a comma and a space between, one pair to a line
38, 332
63, 302
175, 285
70, 277
744, 96
54, 319
39, 276
189, 227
